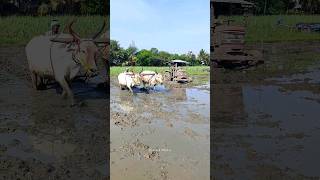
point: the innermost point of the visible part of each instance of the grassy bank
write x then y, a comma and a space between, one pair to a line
264, 28
20, 29
191, 70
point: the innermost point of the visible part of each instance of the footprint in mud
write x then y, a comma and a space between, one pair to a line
152, 155
140, 150
124, 120
189, 132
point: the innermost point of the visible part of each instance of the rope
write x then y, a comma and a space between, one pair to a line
51, 55
51, 59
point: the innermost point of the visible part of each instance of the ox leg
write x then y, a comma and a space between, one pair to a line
42, 82
130, 89
66, 90
144, 85
34, 80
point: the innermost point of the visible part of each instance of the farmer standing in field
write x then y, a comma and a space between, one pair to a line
55, 28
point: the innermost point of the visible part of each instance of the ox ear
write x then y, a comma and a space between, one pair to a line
156, 71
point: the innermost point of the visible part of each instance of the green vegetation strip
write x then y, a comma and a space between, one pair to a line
21, 29
191, 70
264, 28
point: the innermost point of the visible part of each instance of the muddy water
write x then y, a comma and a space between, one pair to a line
41, 136
163, 134
269, 129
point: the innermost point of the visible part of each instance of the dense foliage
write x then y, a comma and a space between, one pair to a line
54, 7
287, 6
153, 57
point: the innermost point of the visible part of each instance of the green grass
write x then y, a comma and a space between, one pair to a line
191, 70
264, 28
20, 29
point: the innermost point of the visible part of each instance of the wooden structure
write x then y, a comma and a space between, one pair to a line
227, 43
176, 73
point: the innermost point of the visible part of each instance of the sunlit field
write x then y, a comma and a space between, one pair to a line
20, 29
191, 70
264, 28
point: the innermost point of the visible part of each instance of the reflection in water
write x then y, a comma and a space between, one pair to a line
178, 94
228, 106
267, 127
297, 125
278, 137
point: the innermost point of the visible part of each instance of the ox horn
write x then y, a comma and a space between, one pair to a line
100, 31
75, 36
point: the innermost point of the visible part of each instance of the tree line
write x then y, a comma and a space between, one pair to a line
130, 56
101, 7
271, 7
54, 7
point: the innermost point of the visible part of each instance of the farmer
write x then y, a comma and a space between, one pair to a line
55, 28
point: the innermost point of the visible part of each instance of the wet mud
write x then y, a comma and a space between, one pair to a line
266, 119
161, 134
41, 136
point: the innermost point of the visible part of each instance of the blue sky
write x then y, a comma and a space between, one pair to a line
175, 26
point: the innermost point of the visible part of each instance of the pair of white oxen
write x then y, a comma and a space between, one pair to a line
61, 57
131, 79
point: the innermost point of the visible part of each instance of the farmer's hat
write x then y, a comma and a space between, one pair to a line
55, 22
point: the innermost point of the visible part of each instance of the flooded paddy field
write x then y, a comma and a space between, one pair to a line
161, 135
266, 119
41, 136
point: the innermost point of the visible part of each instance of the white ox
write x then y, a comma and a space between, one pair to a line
61, 57
151, 78
129, 80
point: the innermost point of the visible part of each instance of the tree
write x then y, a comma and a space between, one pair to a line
203, 57
154, 50
132, 49
74, 7
131, 53
165, 57
43, 9
117, 54
191, 58
144, 58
